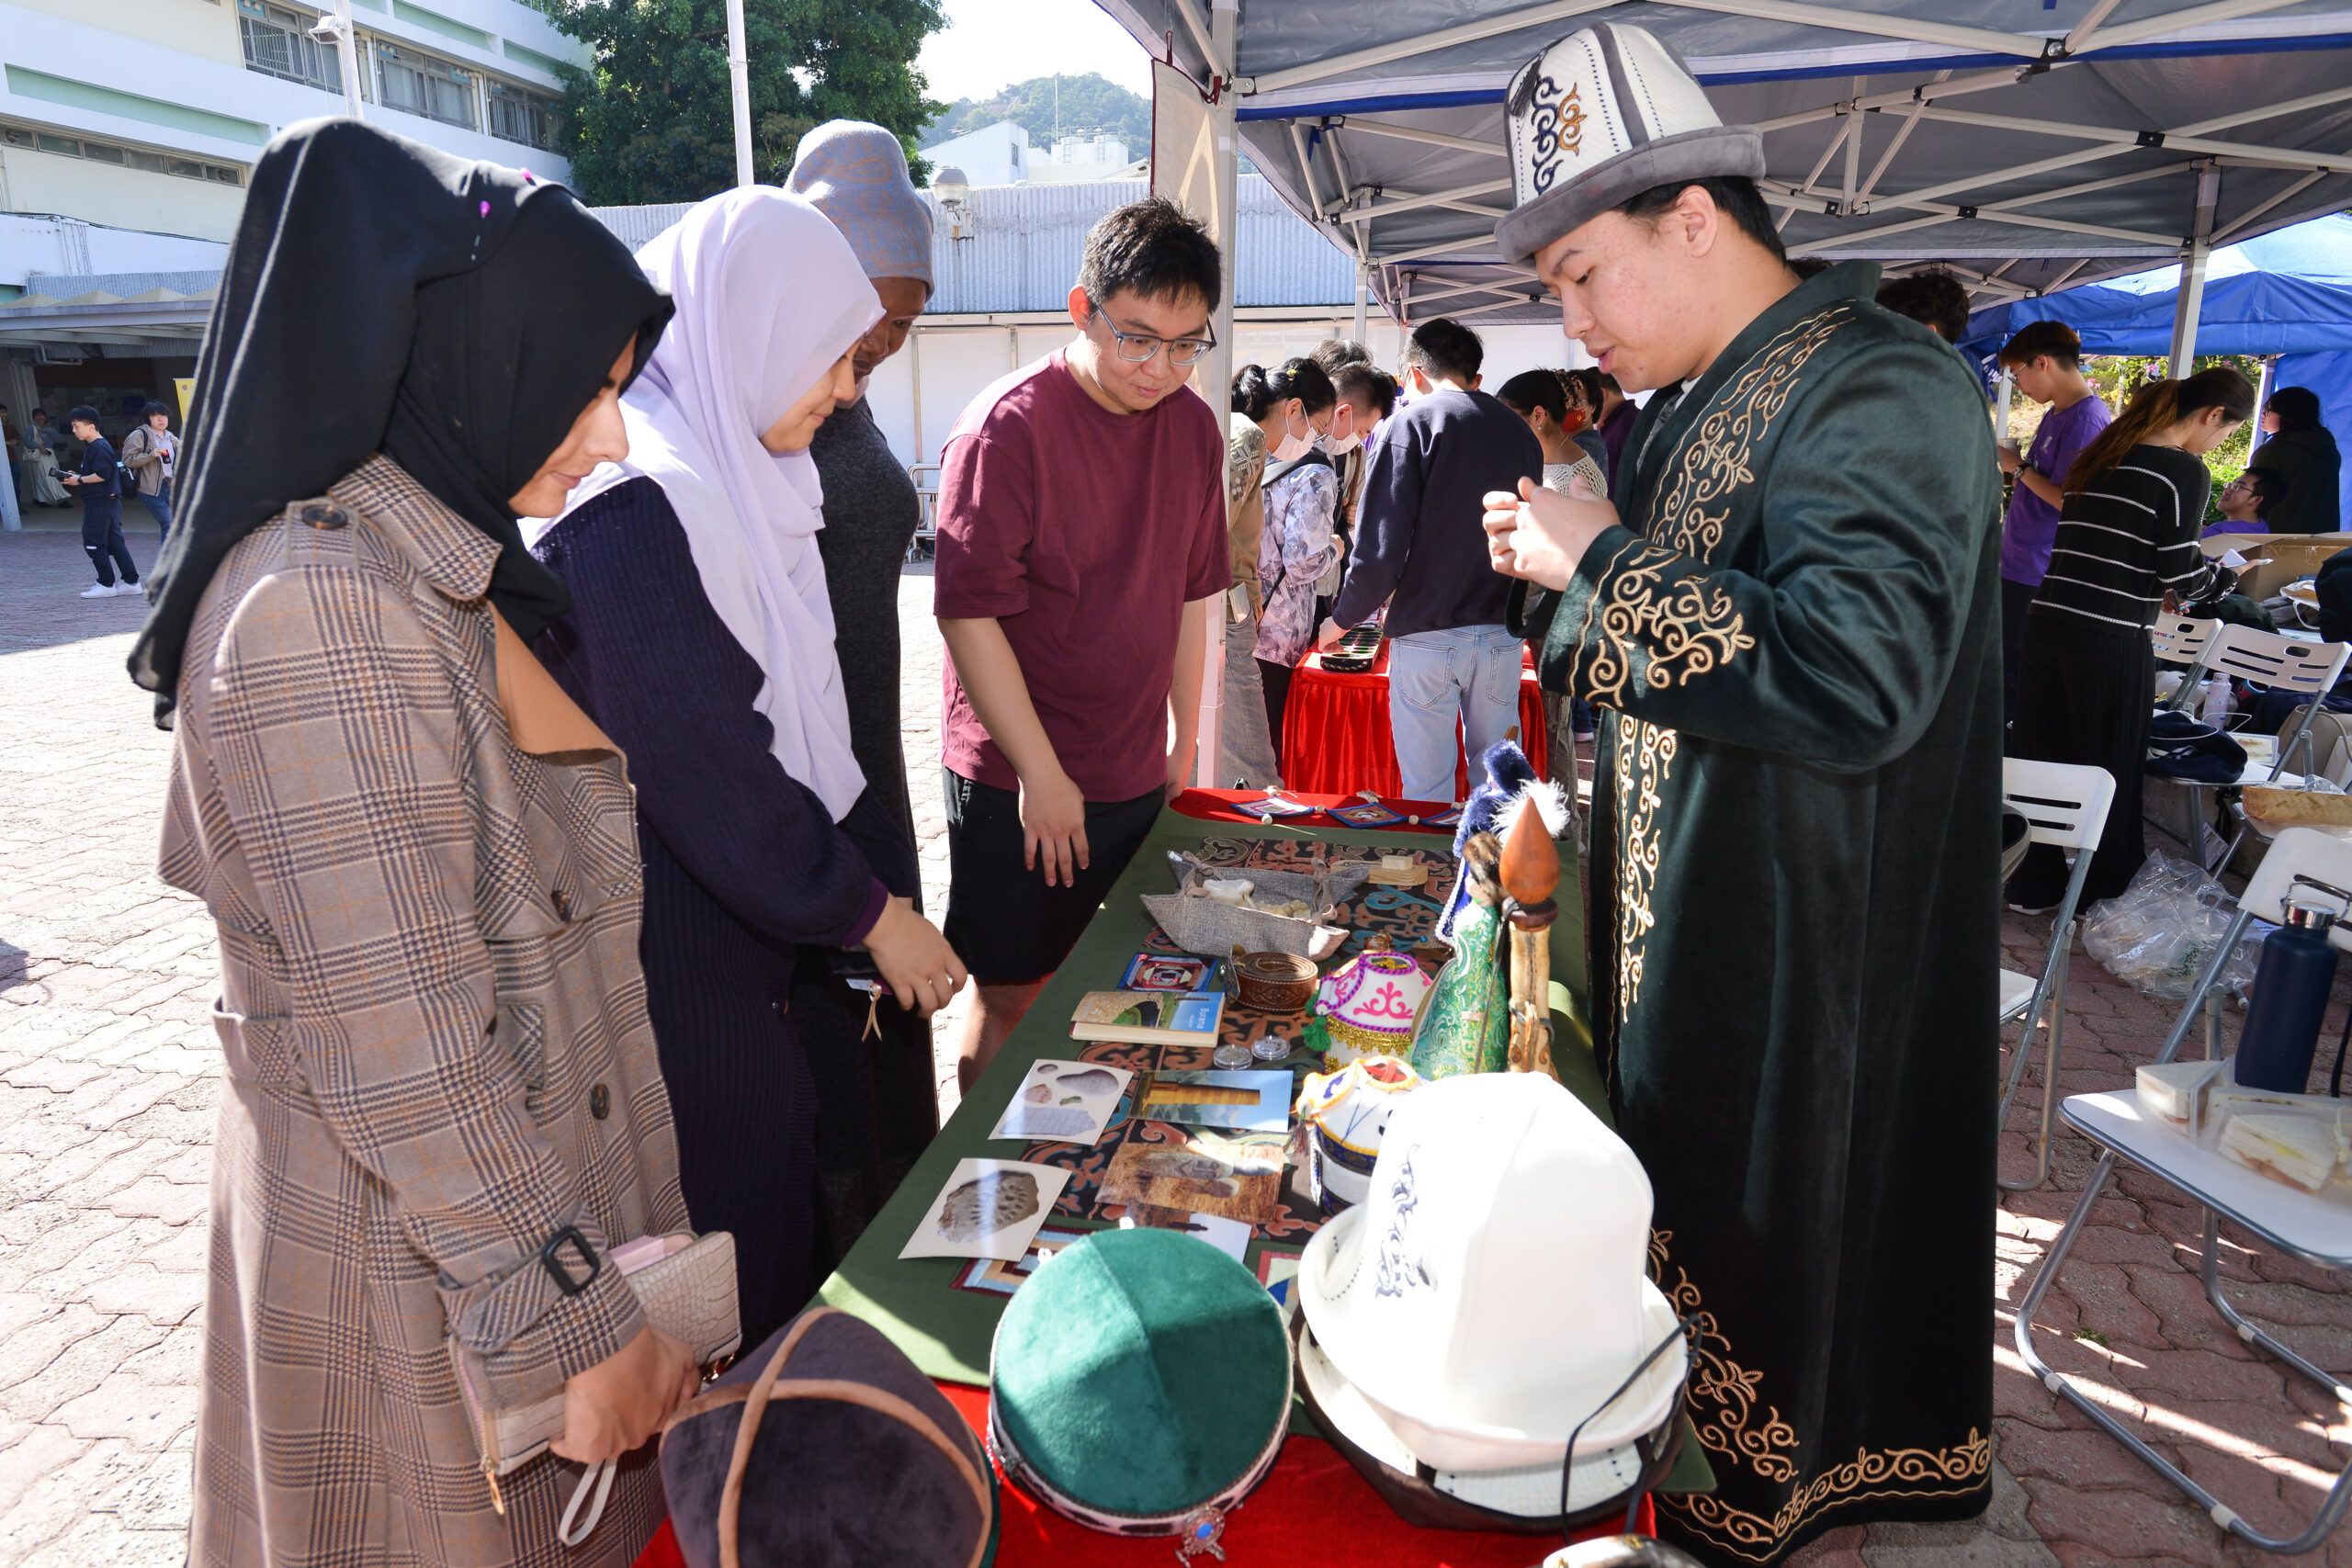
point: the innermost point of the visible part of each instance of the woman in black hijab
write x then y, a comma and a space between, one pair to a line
445, 1110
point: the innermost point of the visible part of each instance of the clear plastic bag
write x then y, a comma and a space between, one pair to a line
2159, 933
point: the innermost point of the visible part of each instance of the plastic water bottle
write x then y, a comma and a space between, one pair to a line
2217, 700
2290, 988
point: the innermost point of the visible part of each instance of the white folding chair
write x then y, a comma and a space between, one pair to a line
2066, 804
2280, 663
2181, 639
2318, 1231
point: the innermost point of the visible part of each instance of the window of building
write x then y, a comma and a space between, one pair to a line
278, 43
519, 116
423, 84
127, 157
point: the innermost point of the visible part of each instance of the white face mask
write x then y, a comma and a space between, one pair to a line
1290, 448
1339, 445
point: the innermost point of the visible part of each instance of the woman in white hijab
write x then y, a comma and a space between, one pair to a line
702, 641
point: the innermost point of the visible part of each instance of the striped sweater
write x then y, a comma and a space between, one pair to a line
2129, 538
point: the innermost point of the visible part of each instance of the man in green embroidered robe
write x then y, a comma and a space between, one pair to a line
1790, 621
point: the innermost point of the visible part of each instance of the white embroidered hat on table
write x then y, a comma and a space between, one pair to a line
1496, 1196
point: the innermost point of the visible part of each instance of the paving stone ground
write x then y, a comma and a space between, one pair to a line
108, 1090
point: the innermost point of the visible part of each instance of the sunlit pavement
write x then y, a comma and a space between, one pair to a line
108, 1088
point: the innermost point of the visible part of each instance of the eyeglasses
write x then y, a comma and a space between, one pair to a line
1136, 348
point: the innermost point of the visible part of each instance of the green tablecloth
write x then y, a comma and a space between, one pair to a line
947, 1331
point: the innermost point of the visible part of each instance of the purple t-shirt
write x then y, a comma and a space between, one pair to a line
2033, 522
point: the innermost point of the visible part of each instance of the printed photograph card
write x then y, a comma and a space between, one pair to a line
1063, 1102
1235, 1177
989, 1208
1242, 1101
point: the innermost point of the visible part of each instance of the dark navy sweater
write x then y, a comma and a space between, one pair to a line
1420, 528
648, 659
743, 867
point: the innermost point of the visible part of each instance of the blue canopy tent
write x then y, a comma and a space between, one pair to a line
2287, 293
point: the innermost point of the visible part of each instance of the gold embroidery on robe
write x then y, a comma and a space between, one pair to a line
1724, 1402
1716, 455
1676, 633
1644, 758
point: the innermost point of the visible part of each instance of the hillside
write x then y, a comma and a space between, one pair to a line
1088, 105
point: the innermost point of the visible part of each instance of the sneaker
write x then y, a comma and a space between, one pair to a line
133, 589
98, 591
2051, 908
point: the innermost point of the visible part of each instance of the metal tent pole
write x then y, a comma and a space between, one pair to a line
2191, 301
1225, 22
1363, 300
348, 59
738, 82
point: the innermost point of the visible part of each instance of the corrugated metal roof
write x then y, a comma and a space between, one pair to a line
121, 285
1024, 240
636, 225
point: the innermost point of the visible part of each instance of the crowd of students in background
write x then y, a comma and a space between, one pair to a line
1343, 510
2106, 510
2103, 532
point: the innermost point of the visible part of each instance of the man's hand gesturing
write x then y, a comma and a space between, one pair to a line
1540, 534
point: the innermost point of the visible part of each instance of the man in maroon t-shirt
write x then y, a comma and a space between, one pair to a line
1081, 524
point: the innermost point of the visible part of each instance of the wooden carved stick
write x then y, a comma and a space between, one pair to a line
1531, 869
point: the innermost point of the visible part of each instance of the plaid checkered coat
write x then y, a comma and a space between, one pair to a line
435, 1042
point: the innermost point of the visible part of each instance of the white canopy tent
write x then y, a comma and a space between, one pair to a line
2104, 138
2107, 135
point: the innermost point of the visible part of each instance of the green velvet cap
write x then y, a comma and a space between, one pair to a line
1142, 1374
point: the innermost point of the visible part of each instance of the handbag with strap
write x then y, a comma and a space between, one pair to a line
686, 1285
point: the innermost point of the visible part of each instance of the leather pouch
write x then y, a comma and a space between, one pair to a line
686, 1285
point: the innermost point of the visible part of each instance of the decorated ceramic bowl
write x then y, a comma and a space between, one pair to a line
1345, 1113
1369, 1006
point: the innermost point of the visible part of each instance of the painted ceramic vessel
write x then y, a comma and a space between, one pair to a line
1345, 1113
1466, 1028
1369, 1007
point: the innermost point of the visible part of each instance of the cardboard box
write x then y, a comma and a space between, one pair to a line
2280, 559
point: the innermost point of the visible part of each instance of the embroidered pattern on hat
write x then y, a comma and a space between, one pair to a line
1398, 1272
1556, 129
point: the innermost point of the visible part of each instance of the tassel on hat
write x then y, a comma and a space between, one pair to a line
1601, 117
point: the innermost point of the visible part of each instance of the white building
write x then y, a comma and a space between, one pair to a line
1099, 157
128, 134
995, 154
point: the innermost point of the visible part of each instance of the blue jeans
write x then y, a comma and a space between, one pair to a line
1466, 679
159, 507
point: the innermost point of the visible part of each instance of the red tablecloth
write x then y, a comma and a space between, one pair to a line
1336, 734
1217, 806
1311, 1509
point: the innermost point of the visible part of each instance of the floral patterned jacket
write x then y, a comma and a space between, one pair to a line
1292, 554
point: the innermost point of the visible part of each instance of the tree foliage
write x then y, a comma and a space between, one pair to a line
1088, 104
653, 121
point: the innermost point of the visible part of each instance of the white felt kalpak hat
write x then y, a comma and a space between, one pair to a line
1599, 117
1492, 1292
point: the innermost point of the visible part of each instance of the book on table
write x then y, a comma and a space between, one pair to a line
1149, 1017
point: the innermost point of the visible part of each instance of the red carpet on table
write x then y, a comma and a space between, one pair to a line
1312, 1508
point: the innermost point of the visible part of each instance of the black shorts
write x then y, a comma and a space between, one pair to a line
1002, 921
